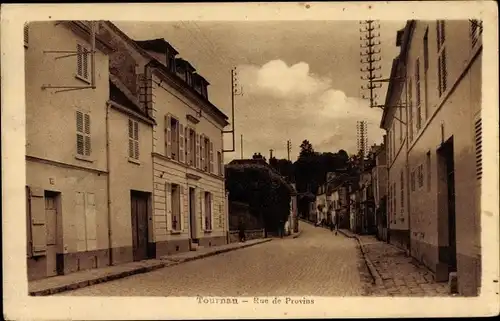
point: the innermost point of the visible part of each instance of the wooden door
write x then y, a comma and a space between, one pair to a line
192, 214
51, 236
139, 210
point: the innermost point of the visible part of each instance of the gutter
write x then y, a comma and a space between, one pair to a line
108, 186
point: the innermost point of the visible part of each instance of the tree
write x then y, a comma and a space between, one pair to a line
306, 148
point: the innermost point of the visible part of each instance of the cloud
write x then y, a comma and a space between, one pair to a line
281, 100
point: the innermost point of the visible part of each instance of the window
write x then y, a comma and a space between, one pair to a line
192, 148
207, 151
476, 30
417, 94
175, 200
402, 191
426, 68
420, 175
172, 139
133, 139
479, 148
219, 163
208, 211
26, 34
442, 69
83, 140
412, 180
410, 109
82, 55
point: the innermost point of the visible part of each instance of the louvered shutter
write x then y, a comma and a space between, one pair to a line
202, 153
168, 205
189, 160
211, 211
38, 226
182, 195
80, 145
136, 139
478, 135
443, 70
442, 32
79, 60
211, 157
130, 138
90, 222
182, 154
85, 63
197, 155
168, 136
439, 76
88, 147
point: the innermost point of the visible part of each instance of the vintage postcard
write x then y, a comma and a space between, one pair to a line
250, 160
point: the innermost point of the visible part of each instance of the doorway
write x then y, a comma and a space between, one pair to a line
446, 207
52, 220
139, 211
192, 215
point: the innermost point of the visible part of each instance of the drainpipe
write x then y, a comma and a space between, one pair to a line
108, 186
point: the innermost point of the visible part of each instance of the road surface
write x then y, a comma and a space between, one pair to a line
318, 263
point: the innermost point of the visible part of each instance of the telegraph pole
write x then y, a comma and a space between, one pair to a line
288, 148
270, 154
370, 58
241, 151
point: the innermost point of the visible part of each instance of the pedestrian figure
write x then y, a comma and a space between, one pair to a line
336, 223
281, 228
241, 228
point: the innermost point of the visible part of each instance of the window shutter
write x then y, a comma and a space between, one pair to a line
211, 211
79, 60
90, 222
168, 205
80, 146
439, 75
203, 160
80, 222
444, 71
88, 147
85, 63
168, 136
197, 155
38, 227
211, 157
136, 140
417, 81
442, 32
479, 148
130, 139
189, 161
181, 144
202, 209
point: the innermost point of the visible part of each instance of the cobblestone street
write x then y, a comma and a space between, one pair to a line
316, 263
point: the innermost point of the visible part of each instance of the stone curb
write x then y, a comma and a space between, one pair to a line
134, 271
377, 279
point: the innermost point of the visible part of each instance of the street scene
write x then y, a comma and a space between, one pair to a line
219, 159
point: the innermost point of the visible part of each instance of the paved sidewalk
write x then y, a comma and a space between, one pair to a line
395, 273
86, 278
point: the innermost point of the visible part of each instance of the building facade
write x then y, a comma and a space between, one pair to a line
188, 178
379, 178
442, 75
66, 155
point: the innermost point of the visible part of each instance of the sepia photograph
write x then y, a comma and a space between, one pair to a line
255, 162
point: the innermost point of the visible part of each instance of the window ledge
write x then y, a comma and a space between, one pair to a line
134, 161
87, 81
175, 232
84, 158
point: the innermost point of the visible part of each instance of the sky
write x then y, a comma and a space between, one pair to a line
298, 79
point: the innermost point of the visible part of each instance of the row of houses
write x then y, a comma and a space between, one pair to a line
426, 176
124, 150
